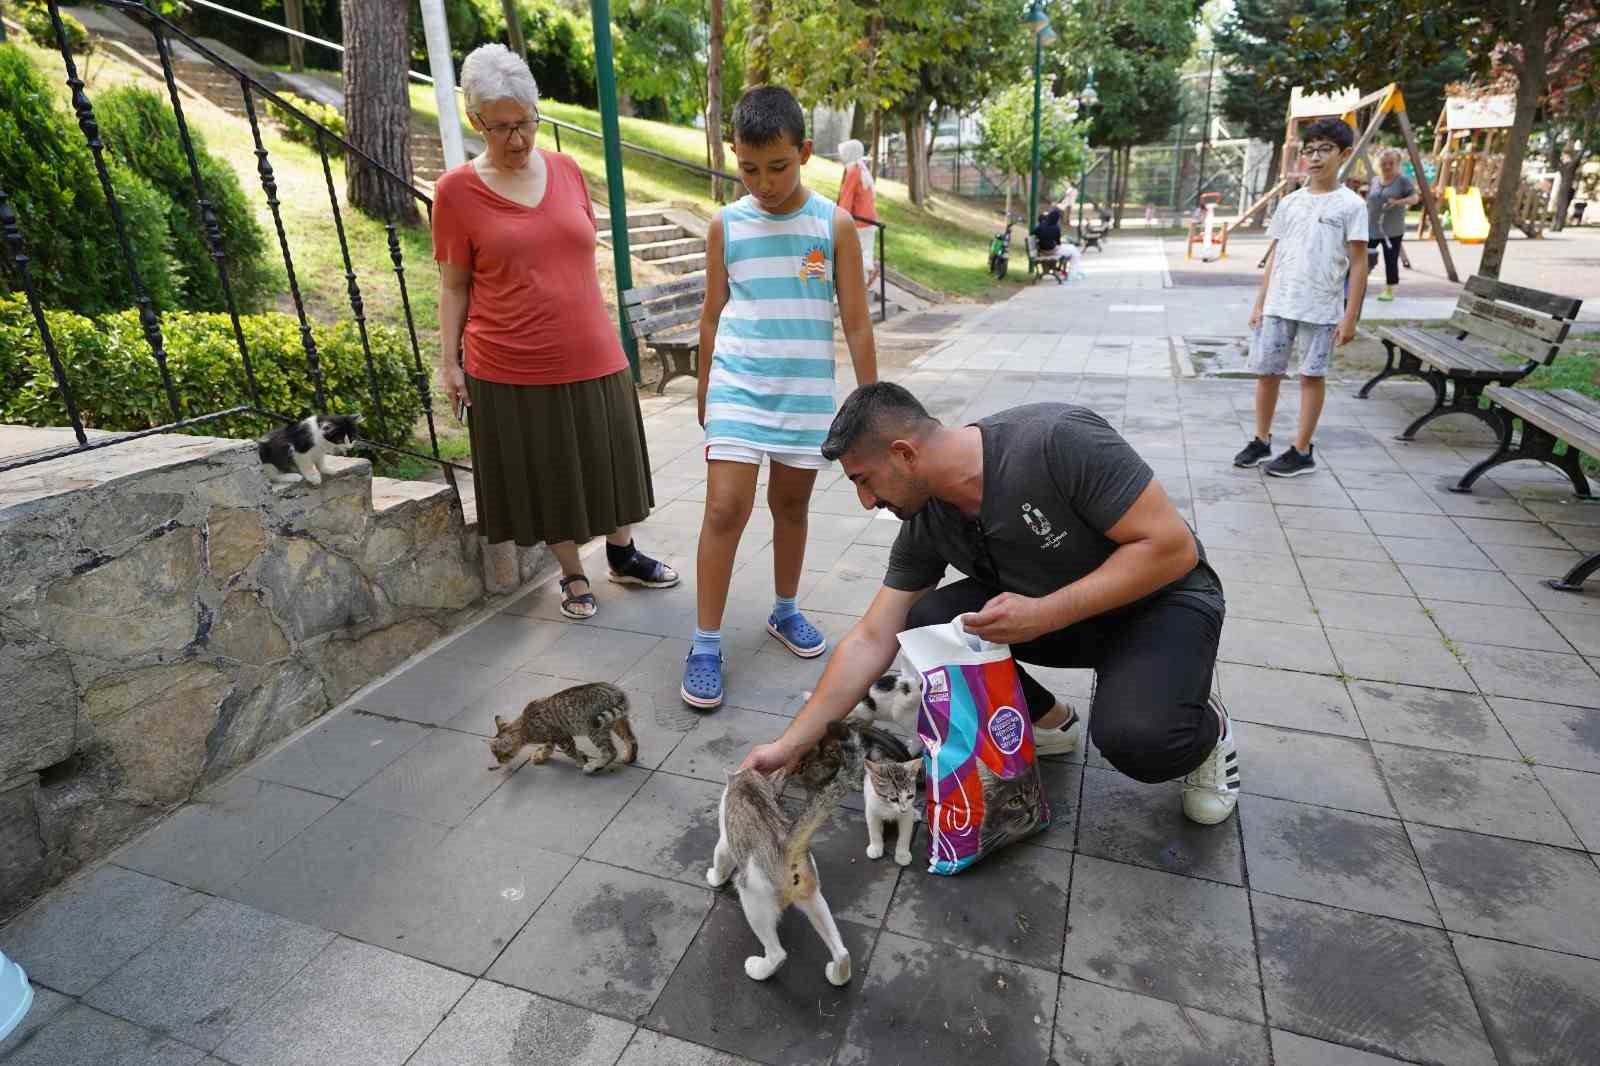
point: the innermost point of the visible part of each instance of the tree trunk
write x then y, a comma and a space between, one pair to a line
514, 39
1011, 182
294, 17
877, 142
1568, 169
860, 129
1530, 86
758, 48
714, 97
377, 107
913, 122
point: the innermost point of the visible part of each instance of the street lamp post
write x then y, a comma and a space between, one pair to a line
1086, 99
1038, 24
1205, 136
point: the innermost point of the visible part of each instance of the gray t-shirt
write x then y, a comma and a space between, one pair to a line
1385, 218
1056, 476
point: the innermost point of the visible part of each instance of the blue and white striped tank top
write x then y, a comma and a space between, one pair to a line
771, 385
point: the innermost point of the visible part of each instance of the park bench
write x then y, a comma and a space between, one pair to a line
1050, 264
666, 320
1094, 235
1548, 418
1491, 320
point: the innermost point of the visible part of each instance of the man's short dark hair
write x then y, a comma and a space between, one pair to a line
768, 113
882, 411
1330, 129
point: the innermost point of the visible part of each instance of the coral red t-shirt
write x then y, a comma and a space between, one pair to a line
535, 315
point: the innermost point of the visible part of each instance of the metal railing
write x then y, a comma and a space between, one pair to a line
163, 32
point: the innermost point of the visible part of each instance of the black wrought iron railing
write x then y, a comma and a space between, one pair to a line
13, 231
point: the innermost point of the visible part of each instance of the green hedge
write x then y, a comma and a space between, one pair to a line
42, 32
117, 384
294, 128
141, 132
46, 169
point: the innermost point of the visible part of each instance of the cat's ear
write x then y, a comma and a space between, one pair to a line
913, 765
499, 724
874, 765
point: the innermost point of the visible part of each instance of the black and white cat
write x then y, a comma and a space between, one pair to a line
304, 446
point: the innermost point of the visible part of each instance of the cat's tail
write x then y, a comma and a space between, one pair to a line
800, 876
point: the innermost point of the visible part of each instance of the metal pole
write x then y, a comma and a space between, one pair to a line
606, 84
1205, 135
1033, 174
437, 32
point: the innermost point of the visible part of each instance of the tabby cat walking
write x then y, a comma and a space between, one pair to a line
595, 711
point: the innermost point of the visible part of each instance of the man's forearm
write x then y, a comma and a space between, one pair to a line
1130, 573
859, 660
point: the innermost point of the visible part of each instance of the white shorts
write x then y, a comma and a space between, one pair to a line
743, 453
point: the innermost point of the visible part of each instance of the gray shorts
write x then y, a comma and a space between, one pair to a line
1271, 344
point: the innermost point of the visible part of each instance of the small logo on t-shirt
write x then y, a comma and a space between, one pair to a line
814, 265
1035, 520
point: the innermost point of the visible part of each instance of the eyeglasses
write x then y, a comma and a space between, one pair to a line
1312, 151
524, 129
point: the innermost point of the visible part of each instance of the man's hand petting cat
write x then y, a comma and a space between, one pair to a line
1009, 619
769, 758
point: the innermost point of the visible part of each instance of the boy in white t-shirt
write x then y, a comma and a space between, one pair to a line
1319, 240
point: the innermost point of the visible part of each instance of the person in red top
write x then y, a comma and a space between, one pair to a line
856, 196
558, 446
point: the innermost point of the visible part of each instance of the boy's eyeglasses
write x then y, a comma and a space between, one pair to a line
524, 129
1314, 151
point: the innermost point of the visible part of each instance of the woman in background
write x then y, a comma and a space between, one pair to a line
856, 196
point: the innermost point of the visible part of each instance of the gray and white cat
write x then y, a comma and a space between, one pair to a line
304, 446
894, 697
772, 855
595, 711
890, 794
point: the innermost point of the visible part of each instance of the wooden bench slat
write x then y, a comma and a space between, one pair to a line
1505, 337
1553, 330
1445, 352
668, 288
1548, 302
640, 312
1558, 404
1555, 412
660, 323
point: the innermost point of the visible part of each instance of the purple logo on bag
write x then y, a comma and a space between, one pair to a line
1005, 728
936, 688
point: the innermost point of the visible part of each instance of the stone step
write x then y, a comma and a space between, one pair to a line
641, 235
661, 250
636, 220
391, 494
693, 263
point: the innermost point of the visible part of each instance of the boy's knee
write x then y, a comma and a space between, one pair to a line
788, 507
727, 514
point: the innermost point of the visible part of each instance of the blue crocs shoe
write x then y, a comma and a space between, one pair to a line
799, 636
702, 681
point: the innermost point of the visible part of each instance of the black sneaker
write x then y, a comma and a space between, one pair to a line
1253, 453
1292, 463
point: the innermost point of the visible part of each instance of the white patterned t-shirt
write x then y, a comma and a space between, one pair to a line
1313, 231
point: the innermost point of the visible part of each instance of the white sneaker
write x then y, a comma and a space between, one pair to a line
1062, 740
1211, 790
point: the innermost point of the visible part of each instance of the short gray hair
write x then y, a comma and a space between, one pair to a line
1390, 153
494, 72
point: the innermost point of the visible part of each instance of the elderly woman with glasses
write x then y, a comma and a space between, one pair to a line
558, 444
1389, 194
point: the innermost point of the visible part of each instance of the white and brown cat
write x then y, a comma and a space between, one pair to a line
889, 792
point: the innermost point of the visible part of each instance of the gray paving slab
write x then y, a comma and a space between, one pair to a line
593, 653
74, 938
960, 910
1536, 675
1463, 586
1339, 858
211, 974
436, 689
1131, 926
1582, 631
1511, 890
442, 779
1128, 821
794, 1017
494, 1025
1541, 1008
1329, 519
860, 889
1434, 551
1097, 1024
47, 1003
507, 698
1583, 601
1334, 545
1506, 627
503, 643
721, 742
1276, 644
607, 939
1371, 983
1405, 524
1551, 734
1310, 768
1578, 795
657, 1049
353, 1004
936, 1005
341, 754
1403, 660
1494, 796
1291, 1049
214, 840
1270, 603
1487, 531
519, 812
1369, 613
1379, 577
1233, 564
669, 829
1312, 702
1430, 718
80, 1036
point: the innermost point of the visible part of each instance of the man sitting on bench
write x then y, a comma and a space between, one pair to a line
1051, 246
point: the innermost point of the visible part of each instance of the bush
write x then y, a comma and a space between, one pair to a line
117, 384
295, 129
36, 24
46, 169
141, 131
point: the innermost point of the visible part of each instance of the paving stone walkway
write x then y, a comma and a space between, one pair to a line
1411, 876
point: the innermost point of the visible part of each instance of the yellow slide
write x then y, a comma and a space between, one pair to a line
1468, 223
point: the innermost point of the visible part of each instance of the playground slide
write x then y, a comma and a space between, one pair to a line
1468, 223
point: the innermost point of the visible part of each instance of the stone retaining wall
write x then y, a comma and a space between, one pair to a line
164, 617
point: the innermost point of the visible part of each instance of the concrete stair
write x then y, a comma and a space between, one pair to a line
655, 238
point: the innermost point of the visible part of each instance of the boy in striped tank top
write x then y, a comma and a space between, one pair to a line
775, 261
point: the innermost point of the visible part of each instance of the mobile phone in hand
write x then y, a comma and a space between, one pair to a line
460, 405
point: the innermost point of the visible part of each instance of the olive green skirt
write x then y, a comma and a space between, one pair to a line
554, 463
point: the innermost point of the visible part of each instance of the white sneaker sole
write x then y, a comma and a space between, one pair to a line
1304, 470
804, 653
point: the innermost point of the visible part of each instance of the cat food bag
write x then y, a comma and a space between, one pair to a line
983, 783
